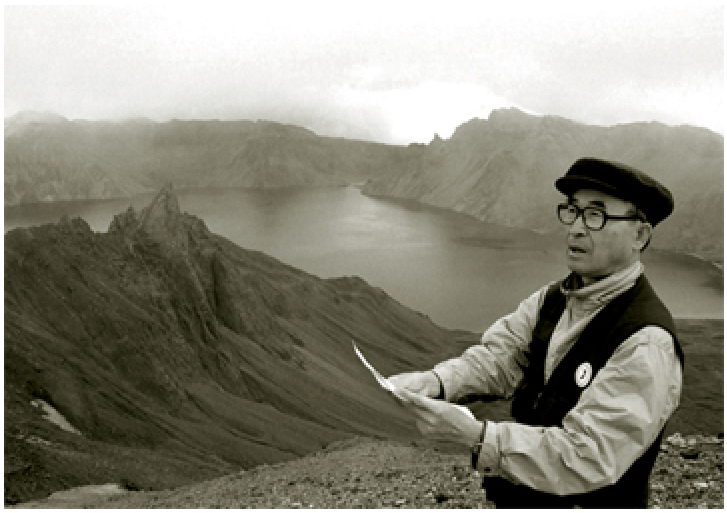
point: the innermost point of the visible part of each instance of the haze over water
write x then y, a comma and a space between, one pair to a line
461, 272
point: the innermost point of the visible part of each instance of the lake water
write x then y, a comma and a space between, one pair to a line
461, 272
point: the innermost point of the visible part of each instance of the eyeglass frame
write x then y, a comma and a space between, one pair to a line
580, 212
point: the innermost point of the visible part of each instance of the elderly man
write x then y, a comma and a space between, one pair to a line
592, 362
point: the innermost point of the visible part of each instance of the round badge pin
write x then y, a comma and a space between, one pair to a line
583, 374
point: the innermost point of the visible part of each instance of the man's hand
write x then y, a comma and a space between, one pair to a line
424, 383
439, 420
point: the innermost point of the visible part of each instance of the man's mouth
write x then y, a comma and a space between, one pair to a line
576, 249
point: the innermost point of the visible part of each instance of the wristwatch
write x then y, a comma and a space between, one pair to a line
477, 447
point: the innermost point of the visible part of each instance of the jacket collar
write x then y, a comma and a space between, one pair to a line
603, 290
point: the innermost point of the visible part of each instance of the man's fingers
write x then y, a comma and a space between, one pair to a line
424, 383
418, 401
407, 396
405, 382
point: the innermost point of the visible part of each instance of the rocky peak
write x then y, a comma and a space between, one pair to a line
512, 119
162, 221
437, 144
436, 139
32, 116
20, 122
163, 212
74, 225
125, 223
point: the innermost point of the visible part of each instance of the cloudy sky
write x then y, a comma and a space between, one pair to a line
396, 71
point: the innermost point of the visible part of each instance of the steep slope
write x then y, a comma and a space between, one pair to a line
178, 355
502, 170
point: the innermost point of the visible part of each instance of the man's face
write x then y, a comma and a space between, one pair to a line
597, 253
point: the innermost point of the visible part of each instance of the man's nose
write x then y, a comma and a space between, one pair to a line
578, 227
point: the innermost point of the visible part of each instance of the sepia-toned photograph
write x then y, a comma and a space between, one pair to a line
383, 255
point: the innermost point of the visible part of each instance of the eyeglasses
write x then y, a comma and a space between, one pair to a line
594, 218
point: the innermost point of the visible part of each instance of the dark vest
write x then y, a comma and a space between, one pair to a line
536, 403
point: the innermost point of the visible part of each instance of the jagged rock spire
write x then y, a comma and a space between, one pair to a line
163, 212
161, 221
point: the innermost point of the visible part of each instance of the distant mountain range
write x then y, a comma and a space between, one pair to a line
48, 158
500, 170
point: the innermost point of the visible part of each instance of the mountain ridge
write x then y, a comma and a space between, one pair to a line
165, 342
500, 169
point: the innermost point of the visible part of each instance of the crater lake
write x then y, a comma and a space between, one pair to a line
459, 271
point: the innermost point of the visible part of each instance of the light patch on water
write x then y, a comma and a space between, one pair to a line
54, 416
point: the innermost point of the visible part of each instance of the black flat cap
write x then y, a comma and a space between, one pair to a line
621, 181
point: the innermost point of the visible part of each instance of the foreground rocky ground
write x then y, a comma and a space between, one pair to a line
364, 473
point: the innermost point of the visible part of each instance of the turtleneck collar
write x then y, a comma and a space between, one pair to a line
604, 289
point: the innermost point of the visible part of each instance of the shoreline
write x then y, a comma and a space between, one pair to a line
412, 203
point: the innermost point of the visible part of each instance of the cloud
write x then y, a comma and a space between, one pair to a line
417, 112
395, 72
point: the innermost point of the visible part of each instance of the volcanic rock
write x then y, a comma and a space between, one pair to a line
179, 355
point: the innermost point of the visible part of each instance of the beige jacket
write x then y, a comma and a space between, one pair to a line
617, 417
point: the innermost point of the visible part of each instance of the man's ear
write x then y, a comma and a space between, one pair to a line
643, 236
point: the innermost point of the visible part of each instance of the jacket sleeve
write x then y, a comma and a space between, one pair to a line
493, 367
616, 419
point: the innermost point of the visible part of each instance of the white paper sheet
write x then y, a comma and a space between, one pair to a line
385, 383
388, 385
